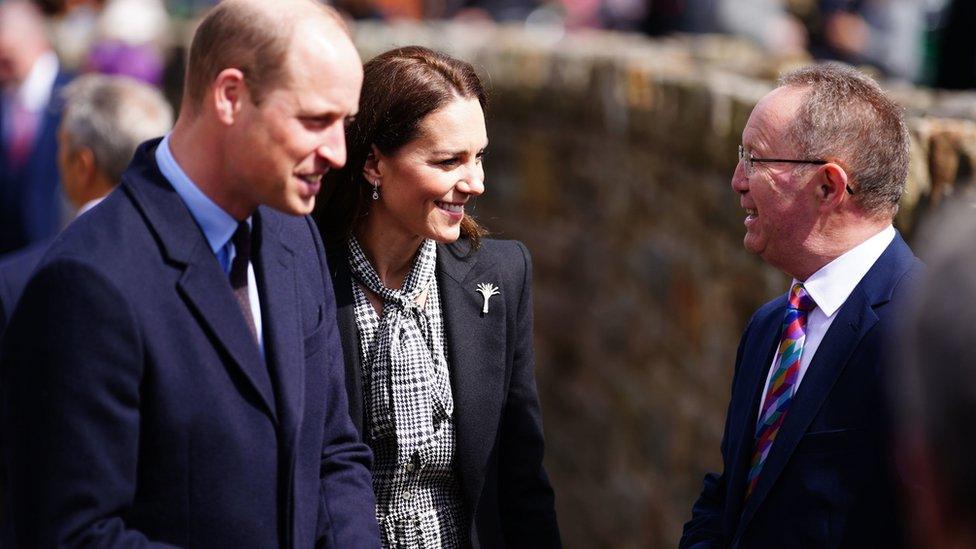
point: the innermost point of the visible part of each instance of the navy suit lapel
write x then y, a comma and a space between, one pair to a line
202, 283
282, 328
854, 319
757, 359
476, 347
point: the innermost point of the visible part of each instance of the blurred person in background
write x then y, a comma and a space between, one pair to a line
436, 321
31, 80
956, 63
822, 167
131, 35
936, 389
105, 119
887, 34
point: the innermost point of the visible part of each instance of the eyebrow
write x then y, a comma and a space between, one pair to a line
455, 151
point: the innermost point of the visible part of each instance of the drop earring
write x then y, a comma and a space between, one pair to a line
376, 189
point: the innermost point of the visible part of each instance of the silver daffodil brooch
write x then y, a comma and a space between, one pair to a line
487, 290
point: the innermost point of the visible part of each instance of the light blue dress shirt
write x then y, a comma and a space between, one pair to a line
217, 225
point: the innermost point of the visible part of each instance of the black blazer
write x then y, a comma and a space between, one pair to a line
137, 408
827, 481
499, 425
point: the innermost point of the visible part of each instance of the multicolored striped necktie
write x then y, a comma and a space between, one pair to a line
782, 385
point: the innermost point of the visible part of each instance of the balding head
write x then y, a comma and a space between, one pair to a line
255, 37
23, 38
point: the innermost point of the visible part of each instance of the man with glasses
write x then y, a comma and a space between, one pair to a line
822, 166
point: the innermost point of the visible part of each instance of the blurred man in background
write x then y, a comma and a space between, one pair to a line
31, 79
936, 391
822, 167
105, 119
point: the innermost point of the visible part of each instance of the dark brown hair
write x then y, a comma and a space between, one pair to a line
245, 36
400, 88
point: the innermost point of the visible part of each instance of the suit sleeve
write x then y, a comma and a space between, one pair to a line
705, 528
527, 503
347, 510
72, 365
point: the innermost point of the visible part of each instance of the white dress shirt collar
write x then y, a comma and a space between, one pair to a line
35, 92
88, 206
833, 283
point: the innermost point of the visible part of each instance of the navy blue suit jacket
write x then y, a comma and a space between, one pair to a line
499, 425
15, 270
30, 196
138, 409
827, 479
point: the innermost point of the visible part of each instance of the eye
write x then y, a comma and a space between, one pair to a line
316, 122
449, 162
481, 155
348, 121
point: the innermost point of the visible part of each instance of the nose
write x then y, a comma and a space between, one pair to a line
474, 182
333, 147
740, 183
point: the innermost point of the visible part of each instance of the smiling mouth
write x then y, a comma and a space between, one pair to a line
312, 179
450, 207
751, 213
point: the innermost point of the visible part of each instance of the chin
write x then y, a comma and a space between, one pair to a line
296, 206
445, 237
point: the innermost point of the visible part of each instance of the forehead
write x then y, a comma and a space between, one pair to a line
458, 125
772, 117
324, 70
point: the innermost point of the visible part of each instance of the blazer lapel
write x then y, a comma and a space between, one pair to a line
348, 331
282, 327
202, 282
476, 347
757, 360
854, 319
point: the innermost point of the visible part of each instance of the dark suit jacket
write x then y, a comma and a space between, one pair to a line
499, 425
15, 271
826, 481
137, 408
30, 196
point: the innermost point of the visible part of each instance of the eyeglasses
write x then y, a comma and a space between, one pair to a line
748, 163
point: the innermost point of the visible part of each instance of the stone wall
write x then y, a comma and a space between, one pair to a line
610, 158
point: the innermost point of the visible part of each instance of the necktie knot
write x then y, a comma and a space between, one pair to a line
242, 255
238, 273
800, 299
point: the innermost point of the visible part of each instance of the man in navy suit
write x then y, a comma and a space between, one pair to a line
105, 118
173, 373
822, 167
30, 111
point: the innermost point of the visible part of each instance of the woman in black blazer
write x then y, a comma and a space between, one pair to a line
435, 320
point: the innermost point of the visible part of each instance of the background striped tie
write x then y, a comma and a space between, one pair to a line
782, 384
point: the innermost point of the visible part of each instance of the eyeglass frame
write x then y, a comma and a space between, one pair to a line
753, 160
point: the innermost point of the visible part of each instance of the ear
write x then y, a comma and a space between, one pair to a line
373, 168
229, 91
832, 181
84, 163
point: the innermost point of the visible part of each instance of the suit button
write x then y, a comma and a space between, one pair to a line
407, 495
410, 467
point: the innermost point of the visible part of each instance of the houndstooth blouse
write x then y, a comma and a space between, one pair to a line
419, 503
